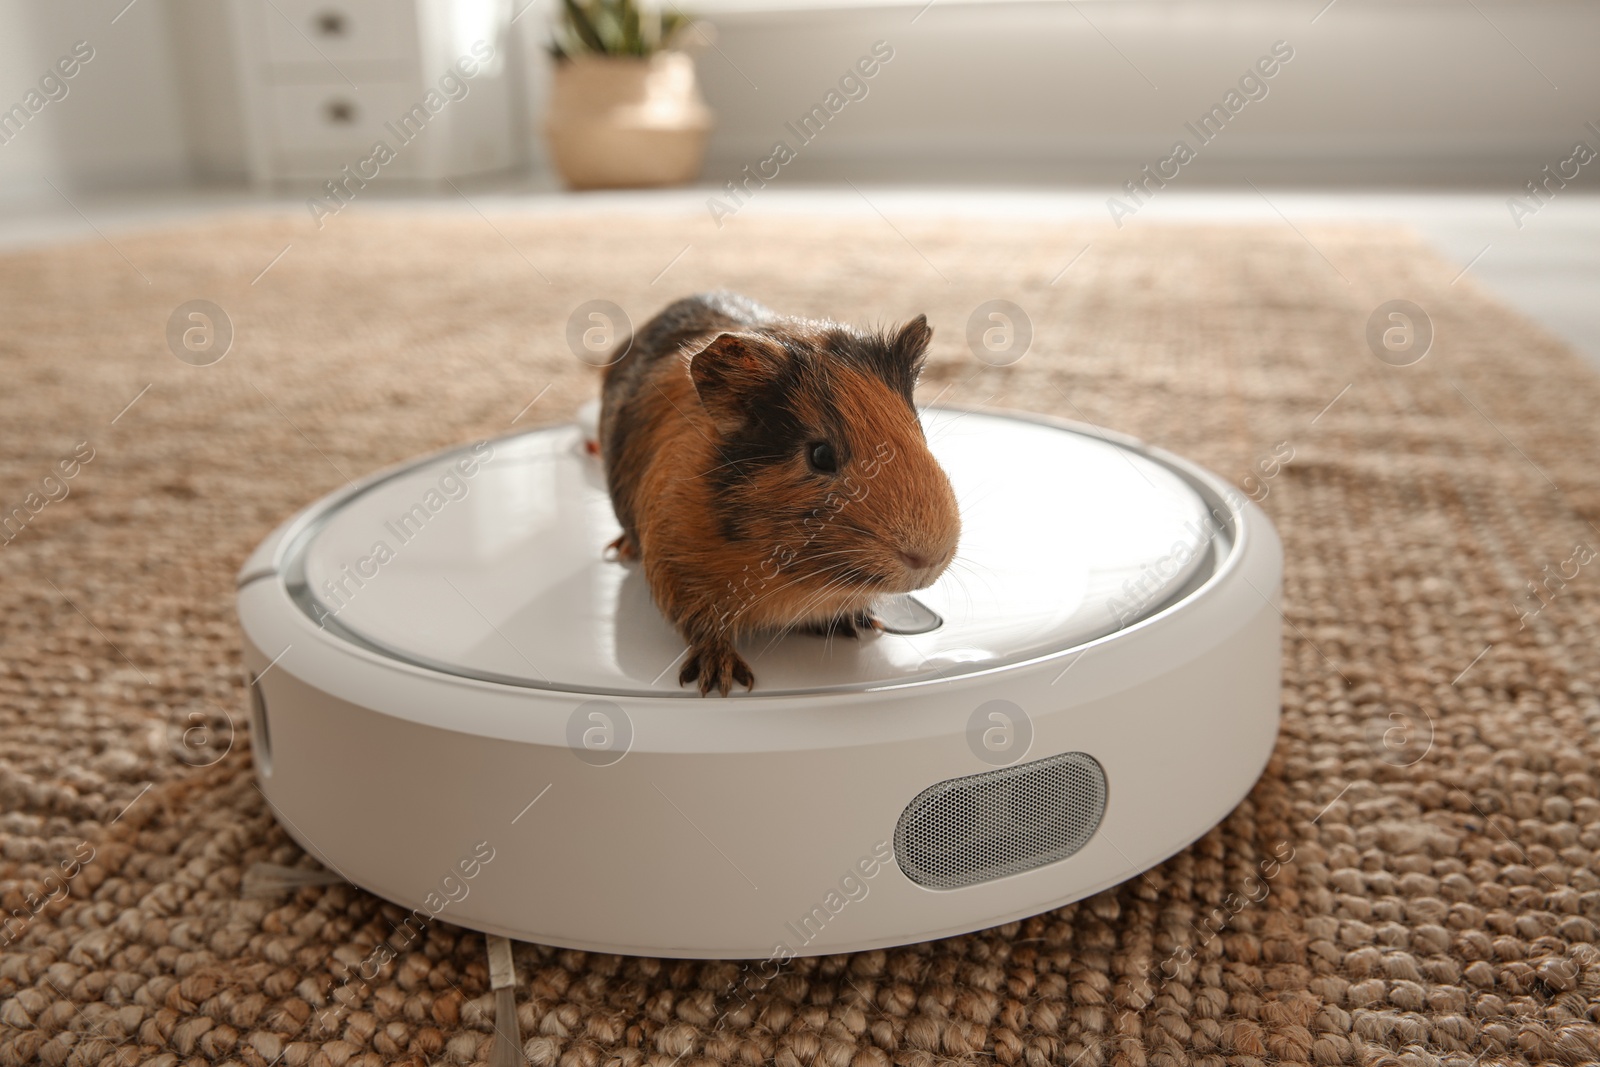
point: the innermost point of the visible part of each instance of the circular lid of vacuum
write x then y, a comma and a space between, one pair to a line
488, 562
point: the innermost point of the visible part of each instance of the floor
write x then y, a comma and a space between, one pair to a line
1548, 266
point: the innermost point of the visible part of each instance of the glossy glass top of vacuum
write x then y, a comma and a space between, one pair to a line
487, 563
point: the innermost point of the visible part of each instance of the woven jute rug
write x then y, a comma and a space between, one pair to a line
1413, 880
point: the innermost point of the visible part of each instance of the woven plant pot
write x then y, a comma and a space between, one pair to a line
623, 122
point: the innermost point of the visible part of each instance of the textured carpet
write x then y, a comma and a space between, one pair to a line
1433, 791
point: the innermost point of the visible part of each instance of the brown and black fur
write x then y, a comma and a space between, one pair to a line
709, 427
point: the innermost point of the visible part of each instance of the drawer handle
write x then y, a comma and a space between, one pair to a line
342, 112
330, 24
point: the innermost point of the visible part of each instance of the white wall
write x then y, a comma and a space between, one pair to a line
1379, 90
120, 122
1389, 90
213, 109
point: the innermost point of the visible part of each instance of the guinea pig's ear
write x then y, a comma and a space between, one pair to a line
911, 344
730, 368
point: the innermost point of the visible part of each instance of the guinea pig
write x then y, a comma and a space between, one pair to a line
771, 474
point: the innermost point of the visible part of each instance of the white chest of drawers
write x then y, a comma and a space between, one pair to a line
382, 89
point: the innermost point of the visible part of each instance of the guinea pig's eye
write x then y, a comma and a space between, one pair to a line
821, 456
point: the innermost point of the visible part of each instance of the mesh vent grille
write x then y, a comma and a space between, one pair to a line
985, 826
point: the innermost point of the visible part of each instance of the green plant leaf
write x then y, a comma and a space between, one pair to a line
672, 24
632, 39
615, 28
578, 21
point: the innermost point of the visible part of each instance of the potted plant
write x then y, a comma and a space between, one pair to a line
626, 109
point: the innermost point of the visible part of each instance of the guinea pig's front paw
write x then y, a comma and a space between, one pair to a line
716, 666
622, 550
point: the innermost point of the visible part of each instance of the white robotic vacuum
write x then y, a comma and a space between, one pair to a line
459, 704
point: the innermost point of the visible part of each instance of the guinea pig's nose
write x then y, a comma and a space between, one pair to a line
914, 560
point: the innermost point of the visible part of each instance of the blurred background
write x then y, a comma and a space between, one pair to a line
1475, 120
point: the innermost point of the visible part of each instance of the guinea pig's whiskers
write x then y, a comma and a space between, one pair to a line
962, 568
947, 426
815, 599
838, 575
734, 463
962, 565
973, 567
770, 591
959, 581
799, 616
851, 552
968, 504
855, 569
815, 596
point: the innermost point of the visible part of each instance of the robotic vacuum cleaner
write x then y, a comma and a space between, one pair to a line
461, 705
